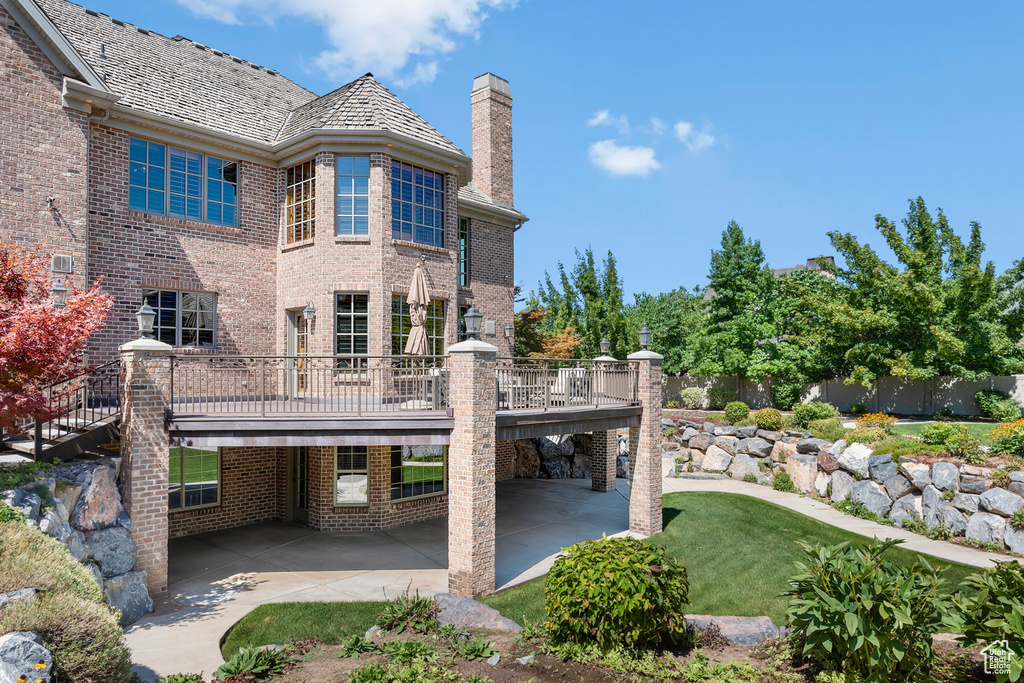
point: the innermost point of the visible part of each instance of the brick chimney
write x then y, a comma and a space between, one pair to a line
492, 137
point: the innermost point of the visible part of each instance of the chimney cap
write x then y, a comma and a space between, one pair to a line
489, 81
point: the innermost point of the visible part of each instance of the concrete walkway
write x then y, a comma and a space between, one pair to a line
829, 515
217, 578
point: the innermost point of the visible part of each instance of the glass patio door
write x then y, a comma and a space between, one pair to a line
298, 346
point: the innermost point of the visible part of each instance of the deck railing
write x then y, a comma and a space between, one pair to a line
551, 383
274, 385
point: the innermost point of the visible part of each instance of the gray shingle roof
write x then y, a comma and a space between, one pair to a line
364, 104
471, 192
177, 78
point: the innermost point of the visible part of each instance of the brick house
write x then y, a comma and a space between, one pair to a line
275, 234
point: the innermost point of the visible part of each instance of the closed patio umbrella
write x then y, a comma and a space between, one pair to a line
417, 344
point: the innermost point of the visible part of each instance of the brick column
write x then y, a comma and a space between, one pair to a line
505, 460
603, 455
645, 495
145, 454
471, 460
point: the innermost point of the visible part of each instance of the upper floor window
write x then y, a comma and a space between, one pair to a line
417, 204
176, 182
353, 201
463, 252
352, 336
300, 203
183, 318
401, 323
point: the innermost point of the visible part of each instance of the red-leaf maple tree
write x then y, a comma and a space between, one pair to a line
40, 345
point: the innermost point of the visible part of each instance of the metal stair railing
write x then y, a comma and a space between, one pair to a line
80, 403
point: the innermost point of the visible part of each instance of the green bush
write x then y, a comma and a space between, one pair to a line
857, 612
1008, 438
719, 397
9, 514
672, 404
768, 418
408, 611
745, 422
782, 482
616, 591
692, 398
830, 429
993, 609
806, 413
967, 447
939, 433
867, 435
1000, 478
1017, 520
784, 396
997, 405
736, 411
858, 409
253, 662
70, 613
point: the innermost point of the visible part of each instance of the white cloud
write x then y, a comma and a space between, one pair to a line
618, 159
395, 39
657, 126
605, 118
695, 140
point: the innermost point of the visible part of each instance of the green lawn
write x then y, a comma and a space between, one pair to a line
283, 622
979, 430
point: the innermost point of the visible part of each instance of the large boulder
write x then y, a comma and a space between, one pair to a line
688, 434
667, 423
821, 483
1001, 502
984, 526
689, 424
708, 427
768, 435
668, 465
873, 496
971, 484
837, 448
622, 467
812, 445
23, 657
112, 549
827, 462
919, 474
782, 451
856, 459
25, 502
726, 430
555, 446
128, 593
556, 468
743, 465
583, 467
747, 432
934, 504
468, 613
67, 493
897, 486
907, 507
716, 459
842, 486
697, 458
954, 520
739, 631
881, 467
1014, 539
945, 476
701, 441
754, 446
527, 459
726, 443
100, 503
803, 470
967, 502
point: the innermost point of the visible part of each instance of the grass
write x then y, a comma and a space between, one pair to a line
979, 430
280, 623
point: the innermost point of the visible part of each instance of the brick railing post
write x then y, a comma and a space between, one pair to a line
145, 454
471, 473
645, 495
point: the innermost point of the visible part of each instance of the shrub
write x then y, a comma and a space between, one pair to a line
182, 678
1009, 438
81, 631
476, 649
939, 433
355, 646
857, 612
870, 435
768, 418
940, 532
806, 413
917, 526
616, 591
830, 429
997, 405
785, 395
1017, 520
9, 514
876, 421
750, 477
736, 411
745, 422
782, 482
1000, 478
252, 662
901, 445
692, 398
408, 610
672, 404
719, 397
991, 608
967, 447
858, 409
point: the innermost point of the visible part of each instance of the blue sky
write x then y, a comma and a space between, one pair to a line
645, 127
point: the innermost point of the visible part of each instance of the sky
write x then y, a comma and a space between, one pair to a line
644, 128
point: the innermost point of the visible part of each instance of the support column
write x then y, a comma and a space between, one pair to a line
645, 495
145, 456
605, 452
471, 460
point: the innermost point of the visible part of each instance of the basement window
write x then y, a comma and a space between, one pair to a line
194, 478
417, 471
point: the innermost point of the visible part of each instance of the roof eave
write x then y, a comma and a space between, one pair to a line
52, 42
491, 212
79, 96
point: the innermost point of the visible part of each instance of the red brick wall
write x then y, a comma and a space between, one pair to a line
44, 149
492, 144
491, 279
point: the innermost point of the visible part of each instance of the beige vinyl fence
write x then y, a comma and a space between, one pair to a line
888, 395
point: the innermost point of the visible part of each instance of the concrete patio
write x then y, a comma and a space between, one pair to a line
218, 577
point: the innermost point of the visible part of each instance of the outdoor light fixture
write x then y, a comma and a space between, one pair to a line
645, 337
60, 295
605, 346
473, 318
145, 316
309, 312
509, 330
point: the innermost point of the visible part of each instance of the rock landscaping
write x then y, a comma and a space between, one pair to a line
956, 498
562, 457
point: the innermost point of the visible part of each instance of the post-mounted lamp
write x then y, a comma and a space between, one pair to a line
645, 338
145, 317
473, 318
605, 346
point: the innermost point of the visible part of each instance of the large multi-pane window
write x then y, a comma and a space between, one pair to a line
417, 204
401, 324
351, 324
177, 182
351, 475
417, 471
194, 478
463, 252
183, 318
300, 203
352, 207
